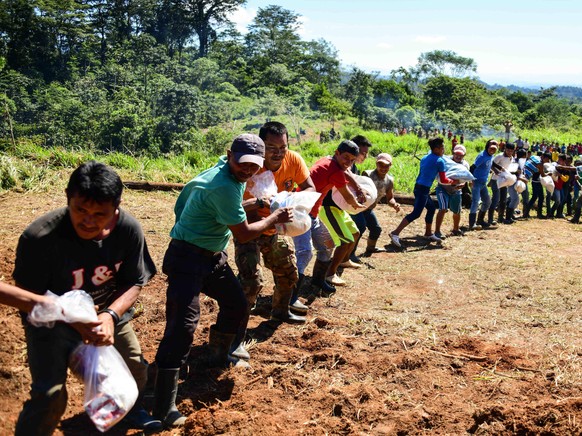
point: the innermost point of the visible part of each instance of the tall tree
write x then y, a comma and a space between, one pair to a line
204, 16
319, 62
446, 62
273, 37
359, 90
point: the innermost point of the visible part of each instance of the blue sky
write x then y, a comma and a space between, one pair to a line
533, 42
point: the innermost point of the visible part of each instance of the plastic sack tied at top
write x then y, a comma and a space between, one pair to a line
262, 185
301, 203
110, 389
457, 171
548, 183
505, 178
369, 189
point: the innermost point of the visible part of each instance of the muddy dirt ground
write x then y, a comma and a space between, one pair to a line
479, 336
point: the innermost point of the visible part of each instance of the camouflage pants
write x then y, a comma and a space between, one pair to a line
278, 256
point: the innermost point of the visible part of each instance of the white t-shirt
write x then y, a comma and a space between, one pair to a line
503, 161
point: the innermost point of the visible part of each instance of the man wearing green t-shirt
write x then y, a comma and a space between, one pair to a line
207, 211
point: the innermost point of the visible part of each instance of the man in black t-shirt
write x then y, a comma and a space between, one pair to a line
95, 246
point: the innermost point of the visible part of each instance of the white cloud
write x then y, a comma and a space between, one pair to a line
303, 24
427, 39
242, 18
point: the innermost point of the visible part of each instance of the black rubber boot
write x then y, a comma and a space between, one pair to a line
509, 216
295, 305
280, 307
219, 345
491, 217
320, 287
500, 214
165, 398
525, 211
139, 418
371, 248
576, 218
481, 220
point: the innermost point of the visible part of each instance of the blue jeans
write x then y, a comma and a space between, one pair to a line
498, 196
513, 197
422, 200
480, 193
322, 241
557, 196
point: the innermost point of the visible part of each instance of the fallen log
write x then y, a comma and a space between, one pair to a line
161, 186
154, 186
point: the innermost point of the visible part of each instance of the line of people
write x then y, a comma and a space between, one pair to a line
95, 245
501, 179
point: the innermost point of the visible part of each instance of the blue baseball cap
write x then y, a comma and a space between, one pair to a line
248, 148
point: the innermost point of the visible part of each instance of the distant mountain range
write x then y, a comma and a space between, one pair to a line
572, 93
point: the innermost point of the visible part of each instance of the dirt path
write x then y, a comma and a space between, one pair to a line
480, 336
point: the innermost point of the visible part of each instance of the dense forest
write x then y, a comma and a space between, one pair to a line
168, 76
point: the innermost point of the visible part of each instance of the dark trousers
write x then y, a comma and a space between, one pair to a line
368, 220
190, 271
422, 200
537, 194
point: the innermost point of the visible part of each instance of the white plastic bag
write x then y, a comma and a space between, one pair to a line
369, 189
548, 183
513, 167
457, 171
505, 178
301, 203
550, 169
519, 186
110, 389
262, 185
72, 306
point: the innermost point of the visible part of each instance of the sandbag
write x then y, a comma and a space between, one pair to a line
550, 169
505, 178
369, 189
519, 186
301, 203
548, 183
457, 171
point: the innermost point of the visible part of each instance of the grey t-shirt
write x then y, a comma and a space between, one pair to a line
382, 184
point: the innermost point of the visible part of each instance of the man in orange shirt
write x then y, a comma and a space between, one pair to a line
289, 170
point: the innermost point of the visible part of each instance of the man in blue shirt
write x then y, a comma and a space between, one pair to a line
482, 168
431, 166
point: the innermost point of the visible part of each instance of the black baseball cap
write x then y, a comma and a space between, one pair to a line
248, 148
347, 146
